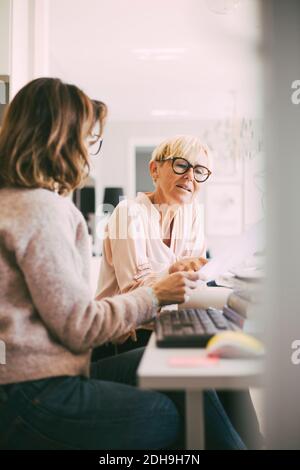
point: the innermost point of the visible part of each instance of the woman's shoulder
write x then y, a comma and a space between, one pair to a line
35, 203
132, 206
130, 212
28, 197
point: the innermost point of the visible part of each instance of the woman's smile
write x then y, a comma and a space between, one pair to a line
184, 187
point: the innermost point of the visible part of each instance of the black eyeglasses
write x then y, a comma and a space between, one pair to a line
181, 166
94, 139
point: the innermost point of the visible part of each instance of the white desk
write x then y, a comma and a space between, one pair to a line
155, 372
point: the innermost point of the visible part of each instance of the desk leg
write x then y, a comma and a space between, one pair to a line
194, 420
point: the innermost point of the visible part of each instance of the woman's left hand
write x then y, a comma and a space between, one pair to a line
188, 264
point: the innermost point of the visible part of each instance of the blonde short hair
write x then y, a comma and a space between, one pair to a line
186, 146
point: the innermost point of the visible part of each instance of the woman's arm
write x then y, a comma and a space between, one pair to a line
125, 254
55, 276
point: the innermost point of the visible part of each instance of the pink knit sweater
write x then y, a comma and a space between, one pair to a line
48, 320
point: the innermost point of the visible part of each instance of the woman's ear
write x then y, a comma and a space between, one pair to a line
153, 168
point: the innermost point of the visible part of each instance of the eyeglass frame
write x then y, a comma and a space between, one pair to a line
173, 159
98, 136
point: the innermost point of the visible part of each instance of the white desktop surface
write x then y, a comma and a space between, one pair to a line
155, 372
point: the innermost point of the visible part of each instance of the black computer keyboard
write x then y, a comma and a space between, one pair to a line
190, 328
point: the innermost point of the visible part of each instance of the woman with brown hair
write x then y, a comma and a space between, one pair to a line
52, 397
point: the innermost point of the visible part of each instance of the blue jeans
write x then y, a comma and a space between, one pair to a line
106, 412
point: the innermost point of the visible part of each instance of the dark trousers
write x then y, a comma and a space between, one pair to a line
106, 411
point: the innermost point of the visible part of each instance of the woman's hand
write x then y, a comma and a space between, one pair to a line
131, 334
188, 264
175, 288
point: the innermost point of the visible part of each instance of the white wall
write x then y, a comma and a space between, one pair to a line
5, 37
20, 45
29, 42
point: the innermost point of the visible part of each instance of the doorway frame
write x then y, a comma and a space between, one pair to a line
133, 144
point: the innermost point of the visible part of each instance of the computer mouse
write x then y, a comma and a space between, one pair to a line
234, 344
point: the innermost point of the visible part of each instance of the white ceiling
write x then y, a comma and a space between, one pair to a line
160, 59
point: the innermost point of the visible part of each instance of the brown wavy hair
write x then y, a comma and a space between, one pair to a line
43, 139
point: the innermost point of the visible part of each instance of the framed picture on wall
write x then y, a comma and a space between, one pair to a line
224, 209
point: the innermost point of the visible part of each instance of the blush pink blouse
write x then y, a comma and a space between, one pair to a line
134, 253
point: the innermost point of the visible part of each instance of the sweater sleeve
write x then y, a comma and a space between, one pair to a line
126, 250
53, 268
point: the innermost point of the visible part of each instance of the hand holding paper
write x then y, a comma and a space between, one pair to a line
236, 253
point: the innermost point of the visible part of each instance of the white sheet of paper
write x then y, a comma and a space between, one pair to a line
236, 253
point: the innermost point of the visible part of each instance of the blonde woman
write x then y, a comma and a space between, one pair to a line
159, 232
51, 396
